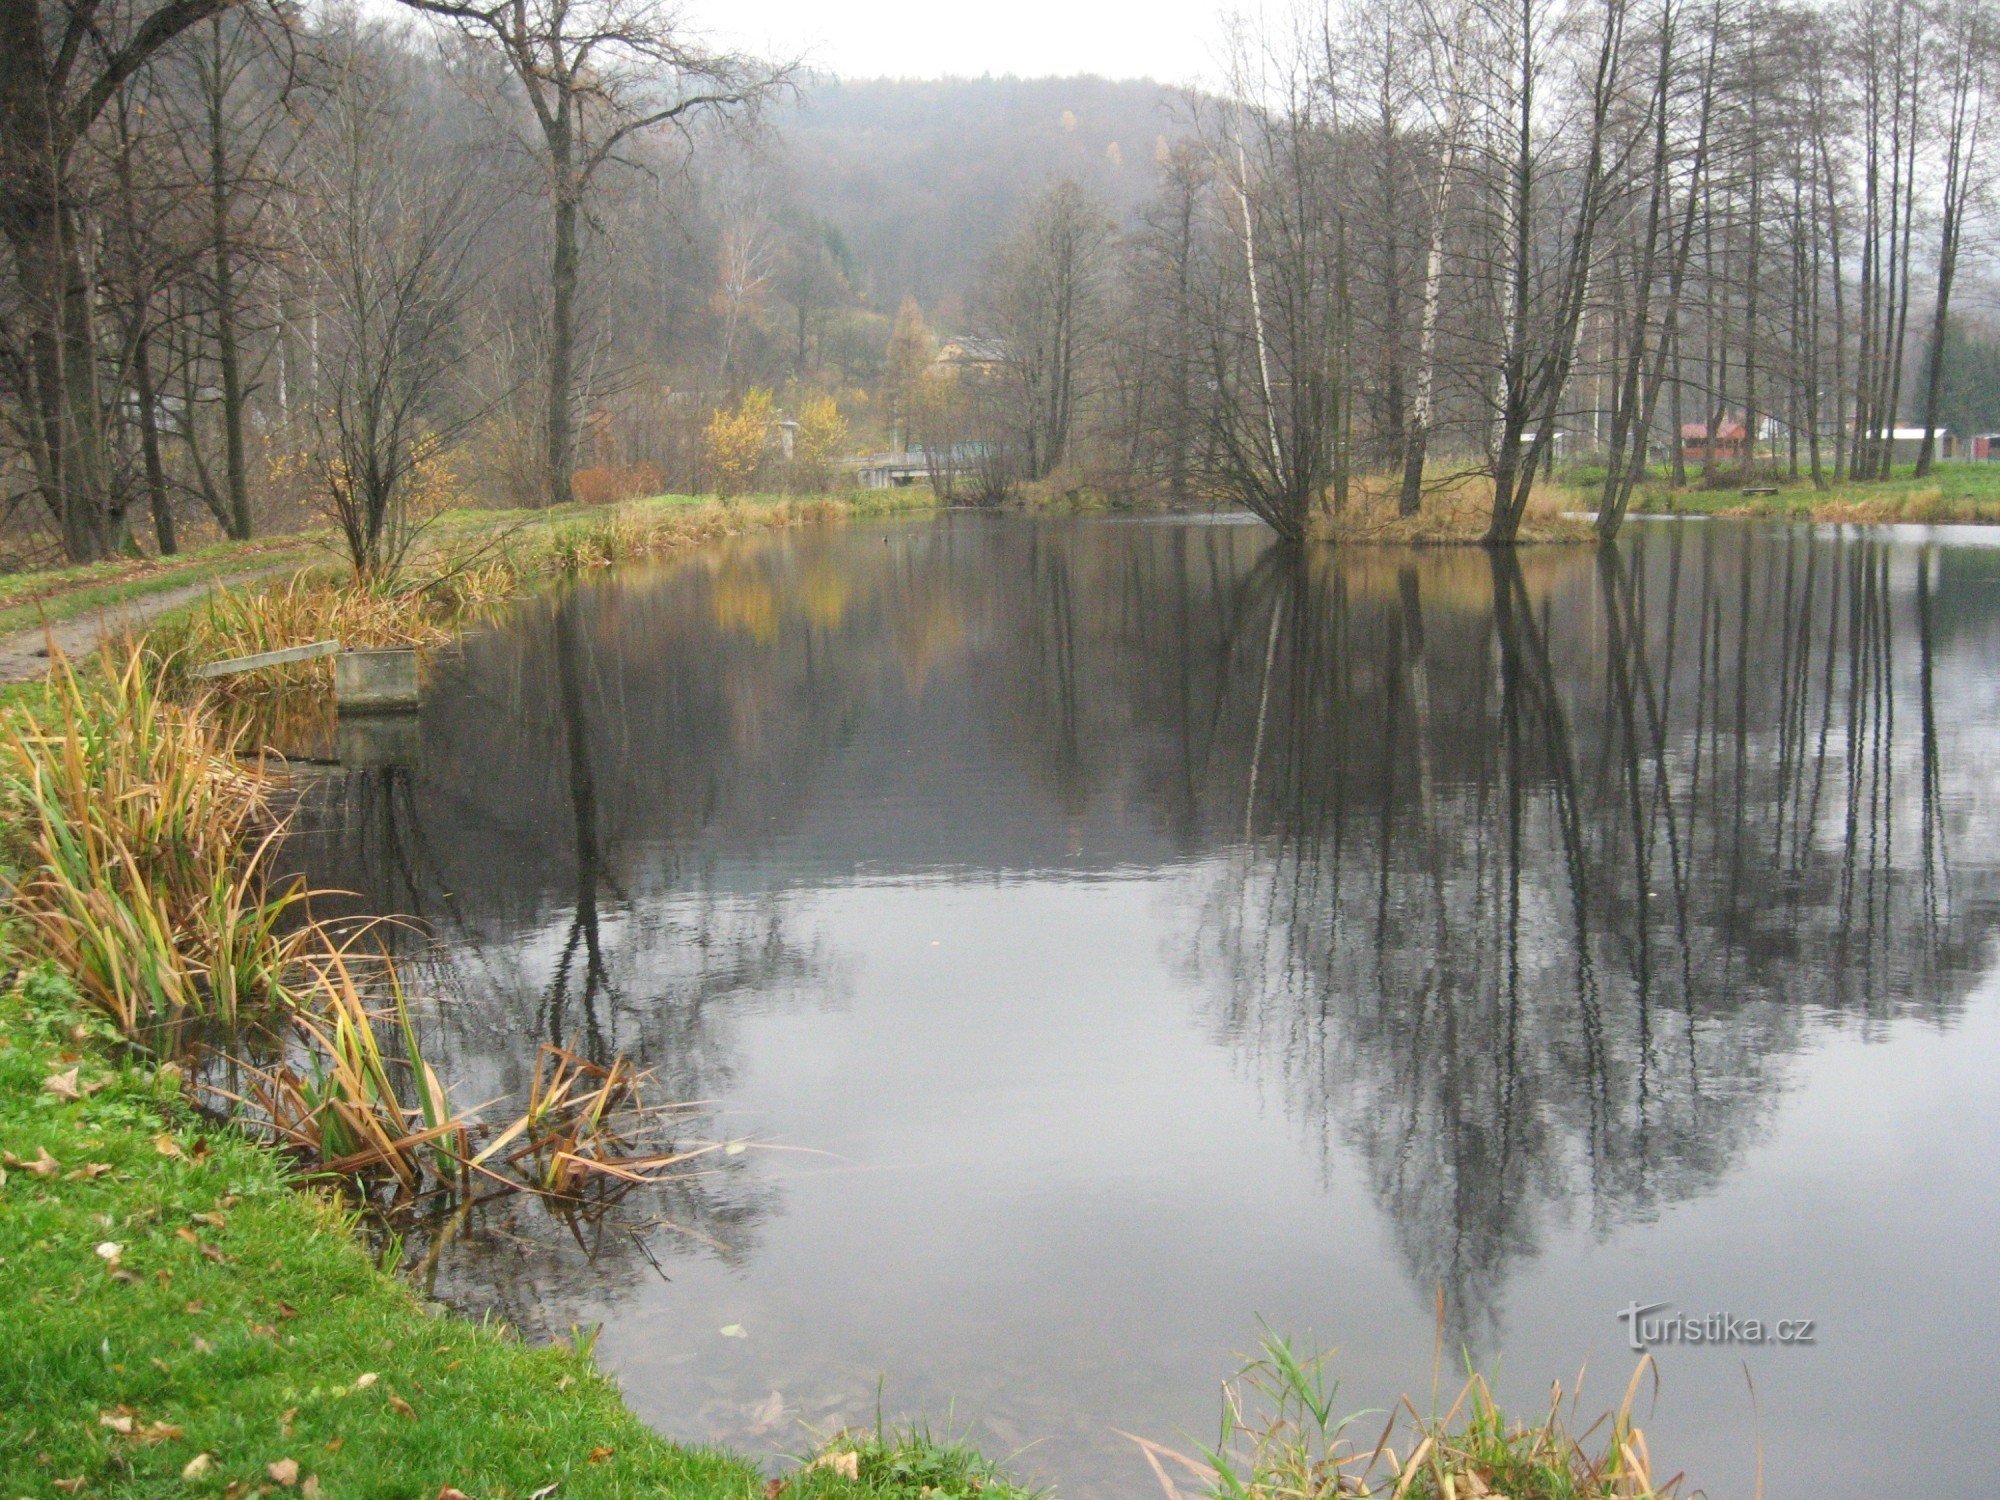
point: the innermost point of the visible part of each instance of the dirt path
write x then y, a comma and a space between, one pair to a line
24, 654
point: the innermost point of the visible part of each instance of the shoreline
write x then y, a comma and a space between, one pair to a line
200, 1319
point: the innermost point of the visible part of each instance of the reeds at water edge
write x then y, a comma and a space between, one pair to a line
1282, 1438
141, 835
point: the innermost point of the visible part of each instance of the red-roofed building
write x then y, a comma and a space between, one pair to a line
1731, 444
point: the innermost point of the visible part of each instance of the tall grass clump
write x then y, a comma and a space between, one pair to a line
1456, 510
310, 606
140, 834
1283, 1438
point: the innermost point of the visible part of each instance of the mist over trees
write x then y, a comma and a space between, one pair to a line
270, 265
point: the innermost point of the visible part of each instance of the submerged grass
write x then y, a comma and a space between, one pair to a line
145, 845
890, 1461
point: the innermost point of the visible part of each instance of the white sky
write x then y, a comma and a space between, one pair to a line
1173, 41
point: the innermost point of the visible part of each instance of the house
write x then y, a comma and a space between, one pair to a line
972, 354
1985, 447
1731, 445
1906, 442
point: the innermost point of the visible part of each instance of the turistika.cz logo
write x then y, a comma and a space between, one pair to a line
1649, 1325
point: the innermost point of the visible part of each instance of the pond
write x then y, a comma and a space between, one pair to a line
1119, 936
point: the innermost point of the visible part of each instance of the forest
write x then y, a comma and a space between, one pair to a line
273, 266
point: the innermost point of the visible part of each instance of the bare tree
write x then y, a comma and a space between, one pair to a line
597, 74
387, 239
1964, 59
60, 66
1047, 306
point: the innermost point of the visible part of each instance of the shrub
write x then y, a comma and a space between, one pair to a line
735, 442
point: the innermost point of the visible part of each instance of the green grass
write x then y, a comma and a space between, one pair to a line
246, 1314
242, 1319
893, 1462
1951, 492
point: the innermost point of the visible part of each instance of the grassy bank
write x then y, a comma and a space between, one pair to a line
474, 561
1952, 493
1456, 512
29, 599
180, 1320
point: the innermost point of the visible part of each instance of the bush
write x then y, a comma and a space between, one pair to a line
607, 484
735, 442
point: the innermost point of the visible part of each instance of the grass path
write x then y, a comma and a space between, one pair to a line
24, 654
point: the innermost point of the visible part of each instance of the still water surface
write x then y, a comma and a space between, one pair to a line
1151, 936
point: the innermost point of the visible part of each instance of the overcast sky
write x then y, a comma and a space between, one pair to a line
1169, 40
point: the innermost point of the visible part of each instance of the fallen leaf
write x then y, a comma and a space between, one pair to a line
735, 1331
109, 1252
285, 1471
769, 1412
364, 1381
448, 1493
285, 1422
545, 1491
774, 1488
91, 1171
166, 1145
69, 1486
63, 1085
121, 1421
202, 1345
310, 1489
197, 1467
599, 1455
44, 1165
213, 1221
335, 1444
402, 1408
846, 1465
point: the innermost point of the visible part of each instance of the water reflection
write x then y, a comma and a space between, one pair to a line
1546, 884
1522, 881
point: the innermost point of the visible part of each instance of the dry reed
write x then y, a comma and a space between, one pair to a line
1455, 512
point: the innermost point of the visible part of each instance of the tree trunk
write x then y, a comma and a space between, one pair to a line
562, 342
149, 445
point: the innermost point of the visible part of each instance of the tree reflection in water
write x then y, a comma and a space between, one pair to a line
1523, 876
1543, 887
